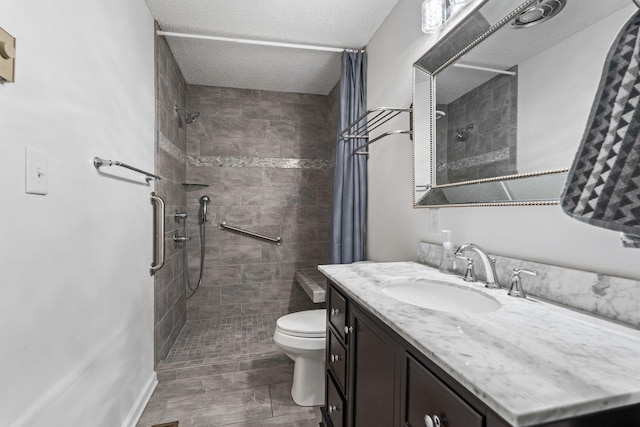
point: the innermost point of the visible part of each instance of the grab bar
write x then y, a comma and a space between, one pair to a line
158, 233
224, 226
97, 162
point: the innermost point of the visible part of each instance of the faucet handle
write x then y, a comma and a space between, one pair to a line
469, 274
516, 289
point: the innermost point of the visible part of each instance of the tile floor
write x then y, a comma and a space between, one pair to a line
227, 372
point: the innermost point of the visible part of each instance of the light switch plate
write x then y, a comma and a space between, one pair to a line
433, 220
7, 56
36, 171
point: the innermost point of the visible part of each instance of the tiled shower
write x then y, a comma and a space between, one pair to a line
265, 157
480, 130
267, 161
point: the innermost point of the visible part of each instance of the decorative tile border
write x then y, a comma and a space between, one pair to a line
482, 159
168, 146
612, 297
255, 162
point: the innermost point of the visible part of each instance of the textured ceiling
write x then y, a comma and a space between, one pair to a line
334, 23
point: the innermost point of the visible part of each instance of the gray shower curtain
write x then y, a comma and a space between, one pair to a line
350, 177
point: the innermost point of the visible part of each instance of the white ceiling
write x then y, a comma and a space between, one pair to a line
333, 23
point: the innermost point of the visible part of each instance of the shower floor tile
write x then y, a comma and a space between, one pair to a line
230, 339
244, 383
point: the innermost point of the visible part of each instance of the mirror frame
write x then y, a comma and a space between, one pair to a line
432, 112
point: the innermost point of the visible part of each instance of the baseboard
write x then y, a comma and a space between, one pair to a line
141, 402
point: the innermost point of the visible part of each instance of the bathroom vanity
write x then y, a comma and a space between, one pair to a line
516, 362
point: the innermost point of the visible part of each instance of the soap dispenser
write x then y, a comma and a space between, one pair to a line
448, 259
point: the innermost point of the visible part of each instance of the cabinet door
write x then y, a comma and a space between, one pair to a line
427, 396
335, 408
337, 361
376, 361
337, 311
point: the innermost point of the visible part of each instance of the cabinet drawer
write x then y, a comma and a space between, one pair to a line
337, 312
335, 405
337, 362
427, 395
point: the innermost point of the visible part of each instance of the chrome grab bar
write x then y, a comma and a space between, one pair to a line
224, 226
97, 162
158, 233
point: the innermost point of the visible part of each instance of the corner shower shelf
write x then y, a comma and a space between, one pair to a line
361, 127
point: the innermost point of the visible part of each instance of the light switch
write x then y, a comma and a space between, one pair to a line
36, 170
433, 220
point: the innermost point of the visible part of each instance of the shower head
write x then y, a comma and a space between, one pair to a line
189, 117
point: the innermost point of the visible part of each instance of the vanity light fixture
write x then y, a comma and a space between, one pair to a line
436, 12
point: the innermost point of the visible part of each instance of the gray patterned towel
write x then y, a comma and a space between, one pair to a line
603, 186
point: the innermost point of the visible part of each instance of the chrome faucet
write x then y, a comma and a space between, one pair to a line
487, 262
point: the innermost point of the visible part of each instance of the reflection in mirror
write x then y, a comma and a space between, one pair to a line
513, 104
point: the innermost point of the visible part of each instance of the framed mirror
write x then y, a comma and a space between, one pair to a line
502, 100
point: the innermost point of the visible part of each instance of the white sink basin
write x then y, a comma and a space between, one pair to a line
440, 296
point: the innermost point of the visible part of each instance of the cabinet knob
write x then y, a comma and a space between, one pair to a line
334, 358
332, 408
348, 329
432, 421
335, 311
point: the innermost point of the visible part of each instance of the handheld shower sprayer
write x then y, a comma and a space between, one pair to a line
204, 201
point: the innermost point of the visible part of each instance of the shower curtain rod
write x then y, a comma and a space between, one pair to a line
491, 70
256, 42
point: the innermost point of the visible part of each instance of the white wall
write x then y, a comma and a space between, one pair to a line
76, 298
543, 234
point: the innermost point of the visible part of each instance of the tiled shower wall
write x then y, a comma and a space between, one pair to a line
490, 149
169, 295
268, 160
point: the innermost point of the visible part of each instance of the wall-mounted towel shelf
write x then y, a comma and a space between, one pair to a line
225, 226
98, 162
361, 127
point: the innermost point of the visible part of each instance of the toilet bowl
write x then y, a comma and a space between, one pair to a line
301, 336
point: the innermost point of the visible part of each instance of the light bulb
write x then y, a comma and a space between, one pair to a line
433, 13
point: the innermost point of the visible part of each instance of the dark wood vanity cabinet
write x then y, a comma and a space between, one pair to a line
364, 368
375, 378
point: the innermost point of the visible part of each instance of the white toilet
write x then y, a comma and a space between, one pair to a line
301, 336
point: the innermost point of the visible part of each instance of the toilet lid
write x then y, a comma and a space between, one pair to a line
310, 324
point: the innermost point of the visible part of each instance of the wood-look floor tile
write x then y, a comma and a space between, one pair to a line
283, 404
292, 420
209, 409
256, 377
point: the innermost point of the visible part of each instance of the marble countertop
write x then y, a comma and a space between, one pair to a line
529, 361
